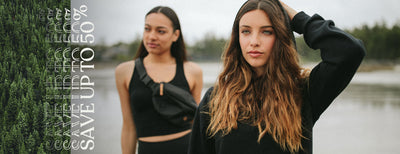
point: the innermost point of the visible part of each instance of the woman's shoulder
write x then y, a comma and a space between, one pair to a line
124, 70
123, 67
192, 68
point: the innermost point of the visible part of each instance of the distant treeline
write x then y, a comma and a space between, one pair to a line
382, 44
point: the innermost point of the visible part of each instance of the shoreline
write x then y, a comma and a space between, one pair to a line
377, 66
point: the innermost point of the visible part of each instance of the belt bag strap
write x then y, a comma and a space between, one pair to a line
143, 74
175, 104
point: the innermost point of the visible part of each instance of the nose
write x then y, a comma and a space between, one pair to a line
151, 35
254, 40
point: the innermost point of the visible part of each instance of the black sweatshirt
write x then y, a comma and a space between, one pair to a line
341, 55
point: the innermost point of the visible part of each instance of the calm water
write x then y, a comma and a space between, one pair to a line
364, 119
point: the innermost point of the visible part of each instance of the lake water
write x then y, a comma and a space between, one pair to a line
364, 119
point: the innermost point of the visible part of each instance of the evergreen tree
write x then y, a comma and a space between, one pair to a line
41, 149
30, 144
22, 148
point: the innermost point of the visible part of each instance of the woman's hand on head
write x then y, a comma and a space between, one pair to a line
290, 11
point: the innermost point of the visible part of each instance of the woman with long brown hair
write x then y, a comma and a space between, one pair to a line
263, 101
163, 54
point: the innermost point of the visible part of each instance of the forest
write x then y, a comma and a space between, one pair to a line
28, 121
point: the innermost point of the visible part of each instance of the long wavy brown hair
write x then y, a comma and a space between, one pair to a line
271, 101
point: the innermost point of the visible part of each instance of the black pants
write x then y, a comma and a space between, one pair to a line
175, 146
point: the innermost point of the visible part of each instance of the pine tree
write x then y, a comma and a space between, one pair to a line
12, 106
41, 149
2, 141
22, 124
22, 148
10, 141
30, 144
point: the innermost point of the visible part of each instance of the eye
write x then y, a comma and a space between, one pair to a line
268, 32
162, 31
245, 31
146, 29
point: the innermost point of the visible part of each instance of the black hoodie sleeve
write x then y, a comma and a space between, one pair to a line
341, 55
200, 142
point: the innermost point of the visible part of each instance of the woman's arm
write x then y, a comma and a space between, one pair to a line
290, 11
194, 76
128, 134
341, 55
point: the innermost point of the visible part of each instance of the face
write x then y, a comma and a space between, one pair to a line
256, 38
158, 34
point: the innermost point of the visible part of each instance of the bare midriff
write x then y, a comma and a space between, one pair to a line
162, 138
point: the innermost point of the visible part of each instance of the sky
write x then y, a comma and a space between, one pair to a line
123, 20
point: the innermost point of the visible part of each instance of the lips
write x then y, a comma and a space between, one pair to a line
152, 45
255, 54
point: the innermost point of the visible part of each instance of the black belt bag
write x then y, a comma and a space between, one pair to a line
173, 103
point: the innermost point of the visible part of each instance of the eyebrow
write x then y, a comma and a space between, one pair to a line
158, 27
247, 26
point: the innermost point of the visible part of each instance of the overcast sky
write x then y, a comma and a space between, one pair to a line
122, 20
